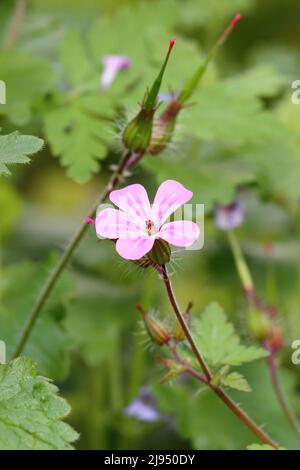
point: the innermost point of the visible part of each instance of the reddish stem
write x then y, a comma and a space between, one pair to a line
248, 422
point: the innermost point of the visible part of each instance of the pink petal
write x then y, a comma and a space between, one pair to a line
180, 233
113, 64
134, 201
134, 249
170, 195
112, 223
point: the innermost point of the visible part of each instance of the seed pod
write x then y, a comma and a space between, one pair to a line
177, 331
137, 133
156, 329
258, 324
160, 253
163, 128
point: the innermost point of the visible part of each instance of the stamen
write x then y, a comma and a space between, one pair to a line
150, 227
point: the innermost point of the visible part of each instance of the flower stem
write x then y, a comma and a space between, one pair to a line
251, 425
14, 24
127, 162
183, 324
281, 397
253, 299
240, 261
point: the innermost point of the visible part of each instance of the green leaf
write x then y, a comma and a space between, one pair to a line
49, 344
211, 171
28, 78
223, 111
158, 20
236, 381
218, 341
260, 447
260, 81
16, 148
78, 135
31, 412
74, 59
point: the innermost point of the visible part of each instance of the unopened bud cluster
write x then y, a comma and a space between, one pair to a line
145, 133
159, 332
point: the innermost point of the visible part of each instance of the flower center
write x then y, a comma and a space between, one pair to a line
150, 227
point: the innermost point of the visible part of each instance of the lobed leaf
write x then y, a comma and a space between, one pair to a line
31, 412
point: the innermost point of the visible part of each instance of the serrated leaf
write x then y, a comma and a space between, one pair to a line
260, 81
31, 412
74, 59
224, 112
28, 78
78, 135
218, 341
236, 381
16, 148
209, 170
49, 344
158, 20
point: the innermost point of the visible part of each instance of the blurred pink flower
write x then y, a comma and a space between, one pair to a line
143, 407
113, 64
231, 216
137, 224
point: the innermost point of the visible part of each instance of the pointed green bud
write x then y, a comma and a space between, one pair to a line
150, 101
160, 253
192, 84
258, 324
156, 329
137, 133
163, 127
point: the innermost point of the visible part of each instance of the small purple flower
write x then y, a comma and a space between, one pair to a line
112, 64
231, 216
143, 407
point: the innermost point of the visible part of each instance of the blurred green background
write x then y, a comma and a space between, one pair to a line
242, 133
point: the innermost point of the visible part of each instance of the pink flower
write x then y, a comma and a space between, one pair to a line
231, 216
137, 224
113, 64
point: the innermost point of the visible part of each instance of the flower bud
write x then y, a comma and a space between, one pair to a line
258, 324
177, 331
163, 128
192, 84
174, 369
160, 253
112, 65
156, 329
231, 216
275, 338
137, 133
